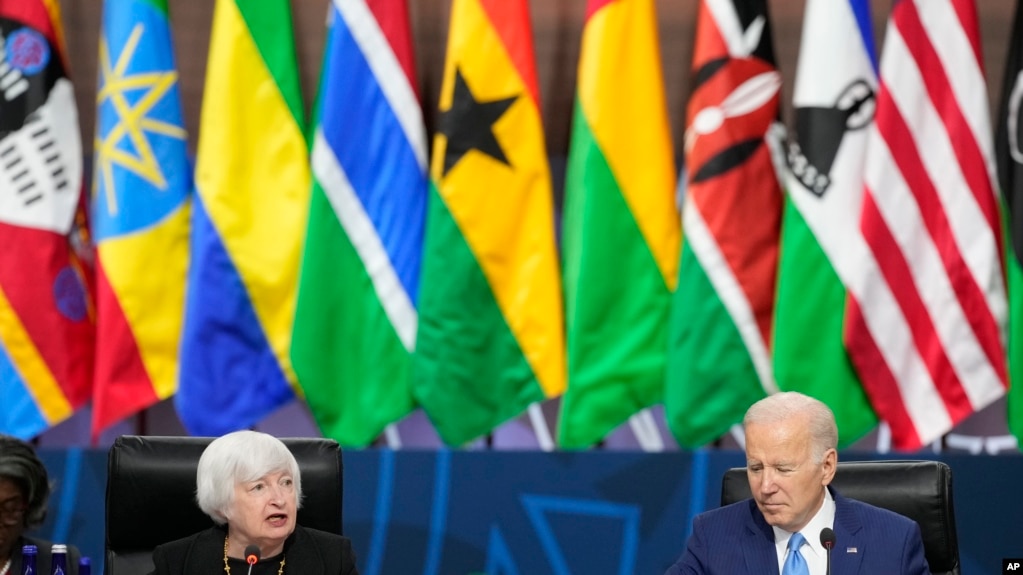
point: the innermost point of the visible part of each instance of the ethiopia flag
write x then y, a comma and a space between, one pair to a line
252, 197
355, 324
490, 319
621, 225
721, 320
46, 312
141, 186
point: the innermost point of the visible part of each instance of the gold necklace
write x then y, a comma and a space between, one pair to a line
227, 568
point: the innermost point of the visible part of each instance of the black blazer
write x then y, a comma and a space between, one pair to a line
308, 552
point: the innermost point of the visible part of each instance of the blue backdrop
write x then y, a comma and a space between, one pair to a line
528, 513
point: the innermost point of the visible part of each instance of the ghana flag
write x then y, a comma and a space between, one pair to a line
490, 338
621, 226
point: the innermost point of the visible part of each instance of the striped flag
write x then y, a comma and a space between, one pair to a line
252, 200
1009, 147
835, 97
928, 309
46, 310
721, 320
355, 324
621, 226
490, 337
141, 186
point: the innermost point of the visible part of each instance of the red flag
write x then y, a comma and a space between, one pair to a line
46, 325
928, 308
719, 362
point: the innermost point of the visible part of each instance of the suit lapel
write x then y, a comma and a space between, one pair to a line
849, 539
302, 554
760, 550
206, 552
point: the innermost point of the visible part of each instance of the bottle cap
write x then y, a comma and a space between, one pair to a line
58, 548
85, 561
30, 550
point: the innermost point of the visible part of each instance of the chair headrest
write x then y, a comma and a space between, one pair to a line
919, 490
151, 488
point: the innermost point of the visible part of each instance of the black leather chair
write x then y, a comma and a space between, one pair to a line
151, 494
919, 490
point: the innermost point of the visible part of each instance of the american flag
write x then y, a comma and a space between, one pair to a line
927, 312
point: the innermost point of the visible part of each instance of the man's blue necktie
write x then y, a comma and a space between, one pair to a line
794, 563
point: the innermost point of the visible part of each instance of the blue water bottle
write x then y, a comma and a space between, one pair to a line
58, 566
28, 559
84, 566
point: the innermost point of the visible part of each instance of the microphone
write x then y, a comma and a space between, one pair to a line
828, 541
252, 556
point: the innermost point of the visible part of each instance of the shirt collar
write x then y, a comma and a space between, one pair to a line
825, 517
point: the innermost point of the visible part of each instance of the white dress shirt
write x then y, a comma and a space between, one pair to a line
814, 553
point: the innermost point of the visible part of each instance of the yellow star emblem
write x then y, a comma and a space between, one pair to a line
133, 121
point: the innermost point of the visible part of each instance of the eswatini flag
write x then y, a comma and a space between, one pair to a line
355, 321
46, 313
719, 361
621, 226
490, 318
926, 323
248, 220
141, 186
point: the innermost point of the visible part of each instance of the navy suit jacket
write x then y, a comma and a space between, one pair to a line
735, 539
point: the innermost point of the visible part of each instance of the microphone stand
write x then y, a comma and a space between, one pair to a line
251, 556
828, 541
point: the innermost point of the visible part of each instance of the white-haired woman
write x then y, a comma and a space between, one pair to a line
249, 484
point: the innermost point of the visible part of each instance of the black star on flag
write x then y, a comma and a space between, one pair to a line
469, 125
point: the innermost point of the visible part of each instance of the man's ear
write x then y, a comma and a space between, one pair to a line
830, 465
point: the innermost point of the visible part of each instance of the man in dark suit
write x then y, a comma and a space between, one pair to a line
791, 457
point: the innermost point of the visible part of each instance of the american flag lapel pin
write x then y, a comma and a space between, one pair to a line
850, 550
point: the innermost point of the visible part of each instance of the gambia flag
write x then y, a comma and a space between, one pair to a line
46, 308
142, 184
621, 225
355, 324
248, 221
490, 337
719, 362
835, 98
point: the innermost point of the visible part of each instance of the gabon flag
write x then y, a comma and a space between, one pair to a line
490, 338
719, 361
142, 184
46, 306
248, 221
621, 226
